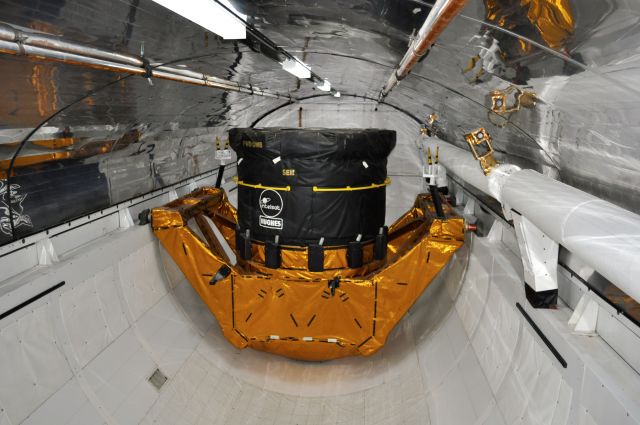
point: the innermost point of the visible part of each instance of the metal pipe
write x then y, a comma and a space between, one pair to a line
214, 81
51, 42
65, 57
440, 16
41, 46
7, 33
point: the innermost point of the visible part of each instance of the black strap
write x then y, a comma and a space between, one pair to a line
147, 68
20, 39
220, 174
437, 202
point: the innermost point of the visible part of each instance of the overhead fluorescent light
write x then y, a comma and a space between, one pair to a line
296, 67
325, 86
211, 16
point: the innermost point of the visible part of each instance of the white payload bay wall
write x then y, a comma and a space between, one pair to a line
464, 355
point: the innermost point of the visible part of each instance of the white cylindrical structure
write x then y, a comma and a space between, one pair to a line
466, 167
603, 235
606, 237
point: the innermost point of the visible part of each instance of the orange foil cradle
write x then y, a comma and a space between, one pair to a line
291, 311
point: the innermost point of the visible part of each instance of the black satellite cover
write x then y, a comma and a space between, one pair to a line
328, 157
288, 163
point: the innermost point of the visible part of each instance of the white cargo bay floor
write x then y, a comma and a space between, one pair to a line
464, 355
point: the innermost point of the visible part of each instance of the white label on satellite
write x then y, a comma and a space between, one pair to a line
223, 154
270, 222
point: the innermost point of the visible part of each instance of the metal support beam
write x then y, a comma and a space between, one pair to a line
539, 255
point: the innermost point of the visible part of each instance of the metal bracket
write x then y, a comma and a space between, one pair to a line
469, 207
584, 319
459, 194
429, 173
333, 284
125, 220
46, 252
539, 255
522, 98
478, 139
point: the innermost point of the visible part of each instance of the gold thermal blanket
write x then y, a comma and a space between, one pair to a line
291, 311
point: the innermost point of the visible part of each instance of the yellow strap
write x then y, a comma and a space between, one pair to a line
259, 186
315, 188
350, 189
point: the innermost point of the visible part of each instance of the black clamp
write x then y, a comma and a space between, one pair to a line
66, 132
437, 202
243, 244
20, 40
315, 254
144, 217
222, 273
333, 284
354, 253
272, 257
147, 68
380, 247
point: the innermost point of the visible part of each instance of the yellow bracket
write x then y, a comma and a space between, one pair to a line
259, 186
498, 102
479, 137
526, 99
351, 189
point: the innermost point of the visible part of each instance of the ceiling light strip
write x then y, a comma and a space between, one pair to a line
293, 65
219, 17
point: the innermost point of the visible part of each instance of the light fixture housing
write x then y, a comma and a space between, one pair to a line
296, 67
211, 16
